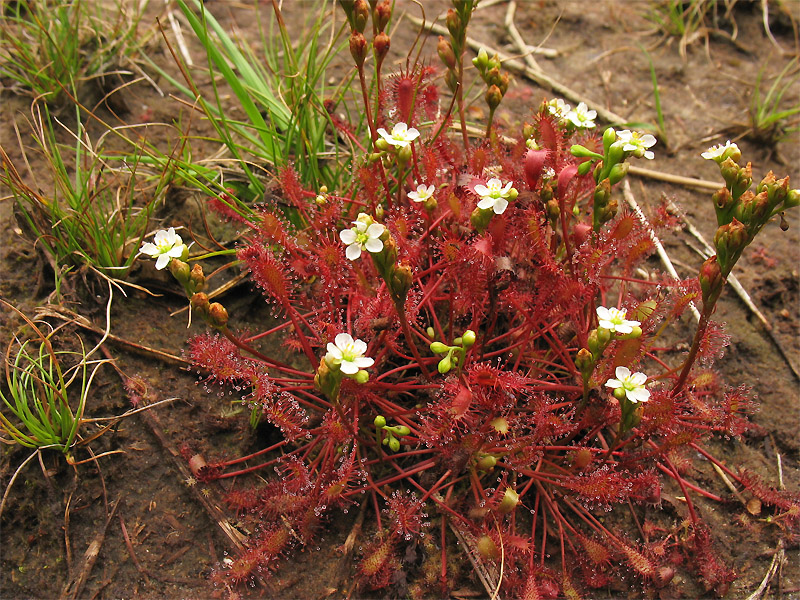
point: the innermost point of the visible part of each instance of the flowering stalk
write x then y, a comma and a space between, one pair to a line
741, 215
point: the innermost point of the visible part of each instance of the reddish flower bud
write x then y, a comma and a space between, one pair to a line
711, 280
493, 97
723, 201
358, 48
382, 14
381, 44
360, 15
217, 315
445, 50
197, 278
453, 24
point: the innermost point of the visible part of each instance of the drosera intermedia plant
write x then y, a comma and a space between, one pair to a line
480, 356
772, 119
59, 51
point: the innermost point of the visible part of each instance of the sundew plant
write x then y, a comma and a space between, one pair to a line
469, 351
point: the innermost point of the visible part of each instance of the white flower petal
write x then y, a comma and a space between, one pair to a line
481, 190
649, 155
349, 367
374, 245
613, 383
622, 328
162, 261
353, 252
149, 249
364, 362
622, 373
603, 313
638, 379
348, 236
334, 351
638, 395
343, 340
500, 206
486, 203
375, 230
176, 251
359, 347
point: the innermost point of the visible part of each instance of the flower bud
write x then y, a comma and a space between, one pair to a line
197, 278
552, 209
493, 97
199, 302
480, 218
453, 22
618, 173
430, 204
730, 240
609, 137
486, 463
723, 201
481, 62
380, 421
468, 339
400, 282
431, 333
439, 348
584, 361
360, 15
358, 48
445, 50
445, 364
217, 315
451, 79
594, 343
381, 44
602, 193
404, 155
584, 168
361, 377
792, 199
603, 336
394, 444
180, 271
401, 430
583, 152
382, 14
710, 280
619, 394
509, 502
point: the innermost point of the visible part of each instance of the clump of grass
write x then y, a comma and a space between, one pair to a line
42, 408
692, 20
772, 119
94, 214
58, 50
283, 95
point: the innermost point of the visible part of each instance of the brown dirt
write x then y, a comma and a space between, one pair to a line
173, 538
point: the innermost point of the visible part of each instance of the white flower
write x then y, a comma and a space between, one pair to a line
717, 151
401, 135
632, 383
558, 108
636, 143
614, 320
582, 117
364, 236
166, 245
423, 193
495, 195
348, 354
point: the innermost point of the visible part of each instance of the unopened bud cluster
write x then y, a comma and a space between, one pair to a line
455, 355
741, 214
496, 82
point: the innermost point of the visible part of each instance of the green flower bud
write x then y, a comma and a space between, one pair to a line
619, 394
493, 97
394, 444
361, 377
583, 152
439, 348
609, 137
446, 54
380, 422
486, 463
445, 364
792, 199
468, 339
401, 430
618, 173
584, 168
431, 333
